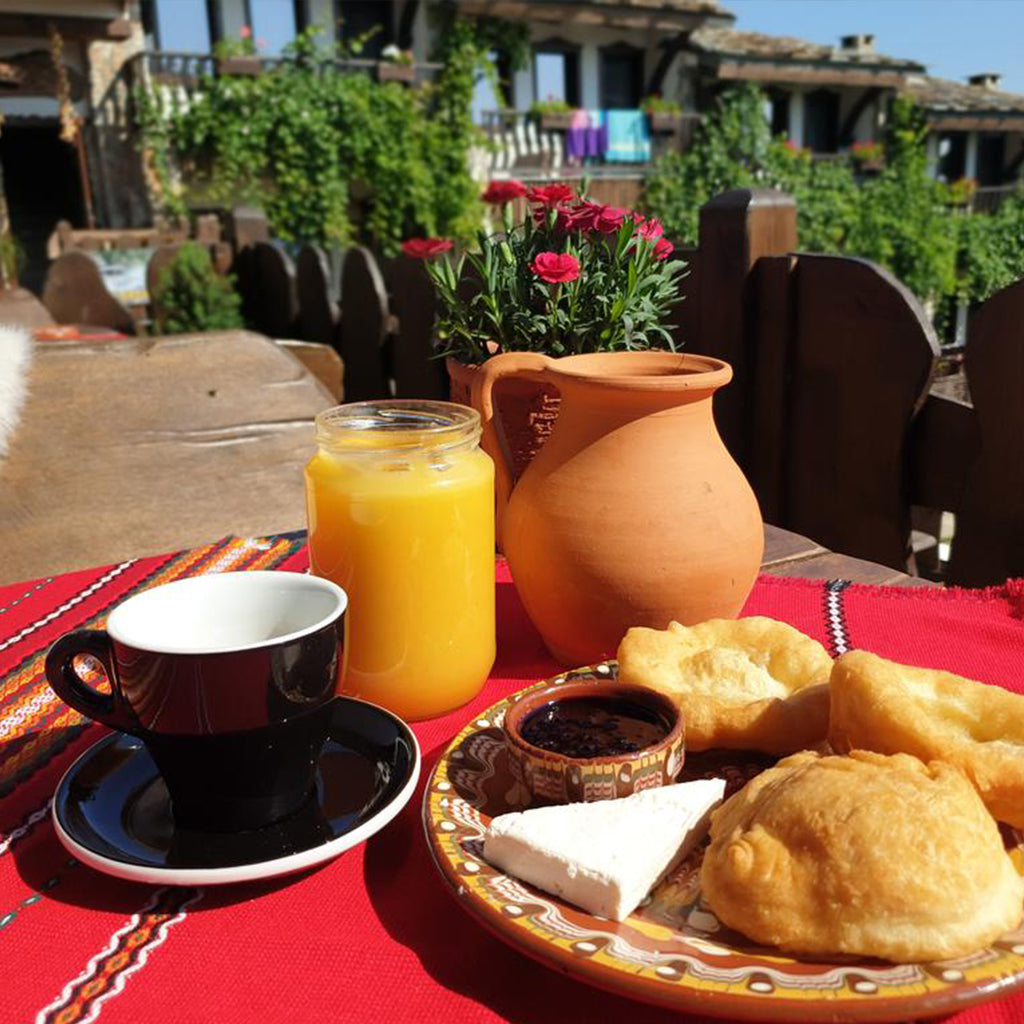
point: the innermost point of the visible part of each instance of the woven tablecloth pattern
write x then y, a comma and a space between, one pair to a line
374, 935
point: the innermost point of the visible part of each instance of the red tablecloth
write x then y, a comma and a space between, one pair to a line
372, 936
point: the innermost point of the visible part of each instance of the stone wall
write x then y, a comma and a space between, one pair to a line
120, 196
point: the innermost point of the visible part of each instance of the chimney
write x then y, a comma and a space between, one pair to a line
986, 80
858, 44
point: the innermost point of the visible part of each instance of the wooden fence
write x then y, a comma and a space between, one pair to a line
830, 413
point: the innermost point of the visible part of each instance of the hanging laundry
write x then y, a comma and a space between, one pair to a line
629, 137
577, 137
597, 135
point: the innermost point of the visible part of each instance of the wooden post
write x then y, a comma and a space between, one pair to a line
737, 228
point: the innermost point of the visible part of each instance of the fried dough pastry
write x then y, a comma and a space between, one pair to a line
742, 684
868, 855
892, 708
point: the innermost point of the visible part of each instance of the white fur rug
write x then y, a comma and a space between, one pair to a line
15, 362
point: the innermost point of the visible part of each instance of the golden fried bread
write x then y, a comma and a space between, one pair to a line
892, 708
868, 855
742, 684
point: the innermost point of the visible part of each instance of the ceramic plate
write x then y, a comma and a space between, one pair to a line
111, 808
672, 951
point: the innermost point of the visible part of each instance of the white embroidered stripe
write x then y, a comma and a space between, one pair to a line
142, 955
141, 958
28, 593
836, 625
77, 599
23, 829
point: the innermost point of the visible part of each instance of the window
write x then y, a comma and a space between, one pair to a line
556, 72
991, 158
821, 121
358, 17
485, 96
952, 156
622, 76
274, 24
778, 114
183, 26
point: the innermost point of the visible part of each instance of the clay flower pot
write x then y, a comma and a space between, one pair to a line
633, 513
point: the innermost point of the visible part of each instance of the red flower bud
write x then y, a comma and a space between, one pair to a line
551, 195
609, 220
649, 229
501, 192
425, 248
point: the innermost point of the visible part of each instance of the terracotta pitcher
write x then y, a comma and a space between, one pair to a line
633, 513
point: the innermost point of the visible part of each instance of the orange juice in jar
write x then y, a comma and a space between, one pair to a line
400, 501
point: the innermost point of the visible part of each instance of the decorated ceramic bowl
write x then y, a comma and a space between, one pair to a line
599, 740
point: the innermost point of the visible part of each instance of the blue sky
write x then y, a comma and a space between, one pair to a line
953, 38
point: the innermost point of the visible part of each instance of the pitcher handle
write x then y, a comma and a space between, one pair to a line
527, 366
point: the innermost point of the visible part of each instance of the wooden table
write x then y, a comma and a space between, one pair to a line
789, 554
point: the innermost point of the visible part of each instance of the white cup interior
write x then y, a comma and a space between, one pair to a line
224, 612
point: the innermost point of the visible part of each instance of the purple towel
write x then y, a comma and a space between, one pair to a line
587, 136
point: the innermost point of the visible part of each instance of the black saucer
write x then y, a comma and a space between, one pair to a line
111, 808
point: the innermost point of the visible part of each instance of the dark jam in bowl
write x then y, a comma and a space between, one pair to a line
594, 727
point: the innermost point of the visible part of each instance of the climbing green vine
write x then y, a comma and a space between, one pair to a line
332, 156
899, 217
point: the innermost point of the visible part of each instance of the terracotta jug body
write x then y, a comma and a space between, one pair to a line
633, 513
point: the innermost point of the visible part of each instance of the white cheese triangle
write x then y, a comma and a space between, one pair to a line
607, 855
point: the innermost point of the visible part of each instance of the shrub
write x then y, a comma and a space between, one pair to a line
191, 296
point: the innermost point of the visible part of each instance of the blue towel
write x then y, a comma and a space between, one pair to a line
629, 137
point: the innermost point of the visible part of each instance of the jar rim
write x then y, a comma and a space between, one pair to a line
411, 423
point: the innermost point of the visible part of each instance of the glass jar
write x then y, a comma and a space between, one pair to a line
400, 504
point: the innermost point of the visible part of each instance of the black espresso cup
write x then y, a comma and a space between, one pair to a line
228, 679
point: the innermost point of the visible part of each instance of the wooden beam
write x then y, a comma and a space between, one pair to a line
69, 28
960, 122
757, 71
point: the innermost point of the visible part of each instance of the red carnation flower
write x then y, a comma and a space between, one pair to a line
609, 220
556, 267
581, 217
663, 249
425, 248
501, 192
649, 229
551, 195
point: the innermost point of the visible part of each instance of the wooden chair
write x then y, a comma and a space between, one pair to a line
266, 281
417, 370
165, 443
365, 325
319, 314
74, 293
966, 457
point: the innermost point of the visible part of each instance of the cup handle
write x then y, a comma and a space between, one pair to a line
526, 365
107, 708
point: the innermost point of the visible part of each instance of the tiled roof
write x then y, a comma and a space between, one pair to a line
665, 15
940, 94
726, 42
683, 6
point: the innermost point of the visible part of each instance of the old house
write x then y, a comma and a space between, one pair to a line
976, 130
63, 155
823, 98
68, 67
